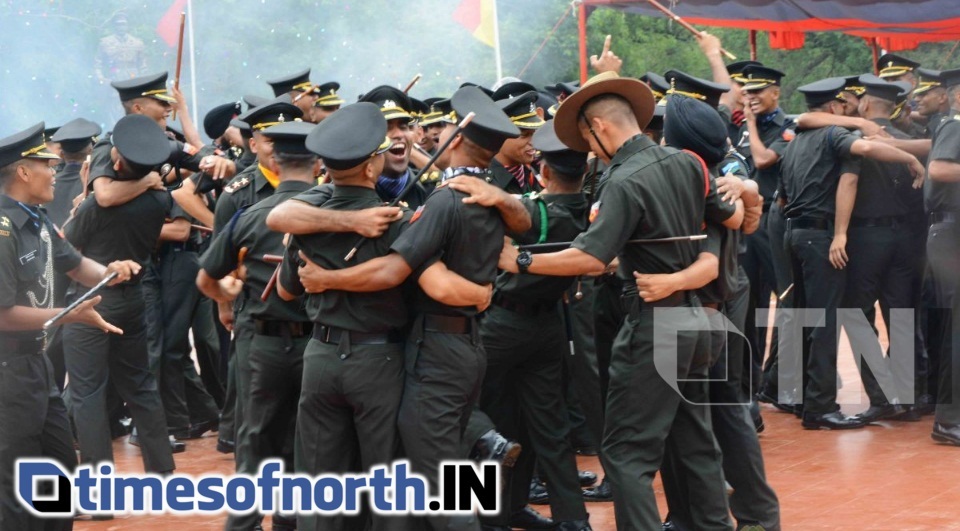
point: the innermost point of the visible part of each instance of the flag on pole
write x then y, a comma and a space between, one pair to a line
169, 26
478, 16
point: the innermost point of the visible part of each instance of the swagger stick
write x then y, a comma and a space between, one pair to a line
416, 178
83, 298
412, 83
564, 245
176, 77
686, 25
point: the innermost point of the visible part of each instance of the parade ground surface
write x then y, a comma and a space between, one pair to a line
888, 476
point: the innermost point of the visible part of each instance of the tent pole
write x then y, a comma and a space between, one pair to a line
753, 45
582, 28
875, 47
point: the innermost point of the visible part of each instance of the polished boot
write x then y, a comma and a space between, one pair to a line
529, 518
831, 421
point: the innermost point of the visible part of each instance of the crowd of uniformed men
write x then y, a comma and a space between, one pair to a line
519, 304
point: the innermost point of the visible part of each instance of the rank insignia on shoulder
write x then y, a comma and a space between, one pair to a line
236, 185
5, 221
789, 134
417, 214
594, 211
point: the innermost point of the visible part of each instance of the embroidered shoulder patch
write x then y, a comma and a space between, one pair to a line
594, 211
789, 134
236, 185
416, 214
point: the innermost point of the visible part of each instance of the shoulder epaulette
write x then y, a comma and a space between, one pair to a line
239, 184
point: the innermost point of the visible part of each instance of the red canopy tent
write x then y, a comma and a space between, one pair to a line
891, 24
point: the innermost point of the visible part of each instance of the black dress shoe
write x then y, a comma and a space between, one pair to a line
195, 431
601, 493
946, 433
226, 447
284, 523
574, 525
874, 413
494, 447
529, 518
538, 493
587, 478
769, 399
908, 414
177, 447
831, 421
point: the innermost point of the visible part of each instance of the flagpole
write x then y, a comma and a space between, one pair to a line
193, 63
496, 41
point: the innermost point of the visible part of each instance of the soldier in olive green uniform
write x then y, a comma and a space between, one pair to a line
523, 386
444, 358
249, 187
280, 329
651, 192
353, 366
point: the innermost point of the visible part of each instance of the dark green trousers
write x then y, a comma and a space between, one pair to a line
348, 415
441, 386
523, 395
645, 415
270, 409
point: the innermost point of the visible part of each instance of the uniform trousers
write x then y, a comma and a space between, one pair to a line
444, 372
275, 365
348, 410
94, 359
523, 395
943, 253
645, 415
33, 423
818, 286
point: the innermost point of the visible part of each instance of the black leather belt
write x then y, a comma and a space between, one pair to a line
334, 335
522, 308
18, 347
282, 328
886, 221
192, 247
446, 324
809, 223
943, 217
632, 304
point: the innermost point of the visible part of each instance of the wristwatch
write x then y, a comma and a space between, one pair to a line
524, 259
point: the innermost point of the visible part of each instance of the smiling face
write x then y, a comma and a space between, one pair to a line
397, 159
762, 101
519, 150
36, 176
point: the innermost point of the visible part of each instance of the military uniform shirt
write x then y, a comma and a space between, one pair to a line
248, 229
566, 219
725, 244
374, 312
246, 188
67, 186
24, 257
941, 196
467, 237
812, 166
504, 180
101, 165
884, 189
651, 192
125, 232
776, 133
